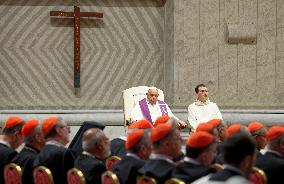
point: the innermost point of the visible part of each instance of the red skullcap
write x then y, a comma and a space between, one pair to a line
161, 131
161, 120
254, 126
133, 138
274, 132
12, 121
199, 139
48, 124
206, 127
29, 127
214, 122
233, 129
141, 124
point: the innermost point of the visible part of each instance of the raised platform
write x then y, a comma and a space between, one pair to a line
116, 118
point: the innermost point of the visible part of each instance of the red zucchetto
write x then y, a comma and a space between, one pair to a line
48, 124
233, 129
161, 131
12, 121
255, 126
205, 127
161, 120
214, 122
133, 138
274, 132
29, 127
200, 139
141, 124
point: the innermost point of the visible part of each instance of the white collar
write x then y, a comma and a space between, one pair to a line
5, 143
199, 103
88, 154
190, 160
133, 155
55, 143
167, 158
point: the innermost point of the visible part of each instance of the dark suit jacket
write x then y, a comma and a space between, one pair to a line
159, 169
25, 160
58, 159
117, 147
91, 167
6, 155
127, 169
273, 166
189, 172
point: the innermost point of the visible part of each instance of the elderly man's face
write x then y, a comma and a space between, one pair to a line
152, 96
202, 94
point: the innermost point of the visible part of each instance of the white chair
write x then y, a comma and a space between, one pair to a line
131, 97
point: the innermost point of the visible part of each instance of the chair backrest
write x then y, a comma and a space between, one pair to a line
109, 177
12, 174
174, 181
42, 175
217, 167
75, 176
132, 96
146, 180
257, 176
111, 161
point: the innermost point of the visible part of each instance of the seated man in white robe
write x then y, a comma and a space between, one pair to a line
151, 108
202, 110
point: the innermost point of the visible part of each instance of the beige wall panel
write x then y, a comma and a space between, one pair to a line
279, 85
266, 53
190, 67
247, 57
124, 49
209, 49
179, 52
227, 93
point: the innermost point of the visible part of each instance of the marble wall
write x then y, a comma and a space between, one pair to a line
239, 76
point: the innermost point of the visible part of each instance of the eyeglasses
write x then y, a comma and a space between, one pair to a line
65, 126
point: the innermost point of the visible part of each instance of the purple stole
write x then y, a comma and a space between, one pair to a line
145, 110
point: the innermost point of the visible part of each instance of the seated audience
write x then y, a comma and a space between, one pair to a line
258, 133
96, 148
200, 152
272, 162
10, 139
166, 146
54, 155
239, 156
138, 146
34, 141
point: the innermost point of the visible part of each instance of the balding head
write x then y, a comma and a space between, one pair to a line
152, 95
96, 143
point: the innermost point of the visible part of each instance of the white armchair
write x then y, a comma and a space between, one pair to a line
131, 97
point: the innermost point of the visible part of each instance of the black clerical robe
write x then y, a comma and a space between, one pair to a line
76, 143
117, 147
91, 168
127, 169
58, 159
25, 160
6, 155
189, 172
159, 169
273, 166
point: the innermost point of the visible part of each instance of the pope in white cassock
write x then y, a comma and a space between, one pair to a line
151, 108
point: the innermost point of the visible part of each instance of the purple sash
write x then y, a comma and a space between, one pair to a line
145, 110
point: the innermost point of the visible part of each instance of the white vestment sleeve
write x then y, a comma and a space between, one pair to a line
136, 113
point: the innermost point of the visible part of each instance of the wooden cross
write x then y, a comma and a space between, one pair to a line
76, 15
